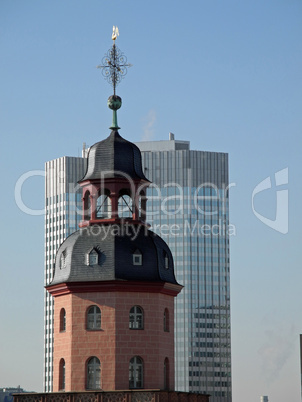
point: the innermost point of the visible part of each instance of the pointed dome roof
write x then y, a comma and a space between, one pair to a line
114, 155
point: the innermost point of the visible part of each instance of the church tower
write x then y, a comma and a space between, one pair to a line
114, 284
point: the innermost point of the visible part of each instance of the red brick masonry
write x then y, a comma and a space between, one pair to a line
114, 396
115, 344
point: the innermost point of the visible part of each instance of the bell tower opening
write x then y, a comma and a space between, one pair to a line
87, 206
103, 205
125, 207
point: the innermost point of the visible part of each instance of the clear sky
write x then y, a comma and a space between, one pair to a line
225, 75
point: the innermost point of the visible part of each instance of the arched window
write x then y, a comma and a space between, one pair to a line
136, 318
62, 320
103, 206
166, 373
125, 208
94, 318
93, 373
62, 375
166, 320
137, 257
136, 372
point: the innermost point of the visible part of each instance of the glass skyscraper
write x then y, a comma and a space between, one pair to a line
188, 207
63, 203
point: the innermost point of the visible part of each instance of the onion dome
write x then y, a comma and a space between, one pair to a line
112, 158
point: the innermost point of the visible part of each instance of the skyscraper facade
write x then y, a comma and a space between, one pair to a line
63, 203
188, 207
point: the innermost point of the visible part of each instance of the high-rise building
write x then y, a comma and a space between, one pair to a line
63, 203
188, 206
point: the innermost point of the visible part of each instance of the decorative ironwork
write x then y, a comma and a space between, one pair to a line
114, 66
58, 397
31, 398
87, 397
115, 397
143, 396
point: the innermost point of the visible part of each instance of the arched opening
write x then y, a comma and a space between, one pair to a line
93, 373
136, 318
166, 373
136, 372
166, 320
103, 205
94, 318
62, 375
62, 320
125, 204
87, 206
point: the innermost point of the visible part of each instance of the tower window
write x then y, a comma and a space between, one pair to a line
103, 206
125, 208
93, 373
136, 318
94, 318
166, 260
62, 320
137, 258
136, 372
63, 259
93, 258
166, 320
62, 375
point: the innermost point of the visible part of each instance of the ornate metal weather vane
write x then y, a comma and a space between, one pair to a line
114, 63
114, 68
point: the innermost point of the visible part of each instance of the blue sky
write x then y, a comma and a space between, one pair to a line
225, 75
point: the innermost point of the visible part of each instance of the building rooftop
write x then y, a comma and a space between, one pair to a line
114, 157
114, 256
164, 145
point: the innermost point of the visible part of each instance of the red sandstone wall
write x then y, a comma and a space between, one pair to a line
62, 341
88, 343
152, 344
115, 344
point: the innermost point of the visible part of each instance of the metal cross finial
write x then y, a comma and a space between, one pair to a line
114, 63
